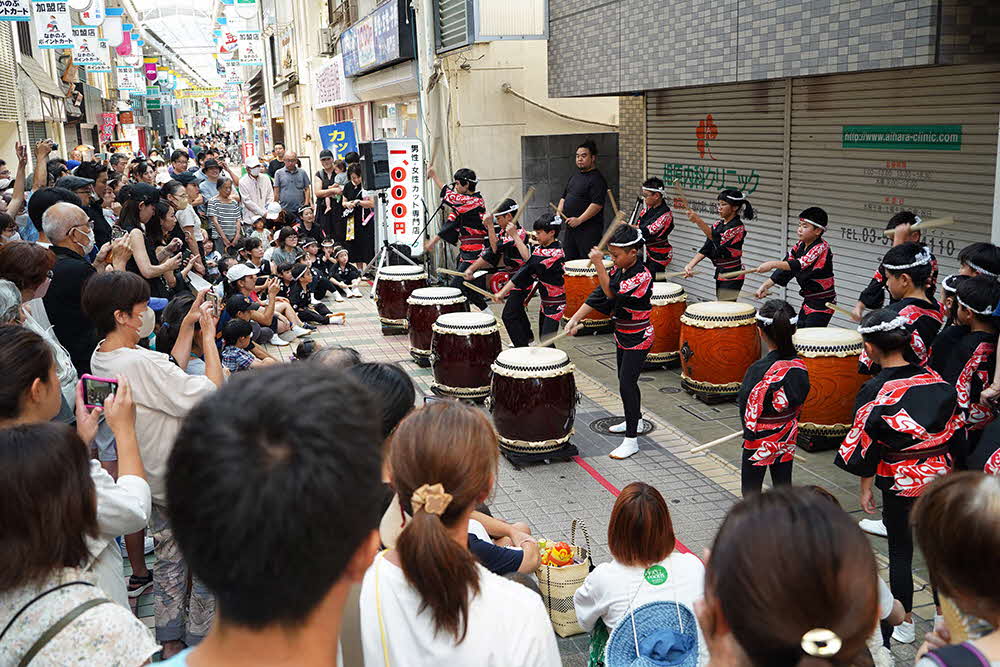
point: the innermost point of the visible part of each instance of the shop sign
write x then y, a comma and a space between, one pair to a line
339, 138
53, 26
903, 137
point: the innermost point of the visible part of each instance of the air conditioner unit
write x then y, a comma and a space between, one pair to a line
327, 41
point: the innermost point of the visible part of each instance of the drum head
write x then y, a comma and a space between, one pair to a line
402, 272
466, 323
827, 342
583, 267
435, 295
664, 293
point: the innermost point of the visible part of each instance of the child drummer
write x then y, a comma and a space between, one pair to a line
502, 250
810, 262
544, 266
656, 221
770, 400
625, 295
724, 244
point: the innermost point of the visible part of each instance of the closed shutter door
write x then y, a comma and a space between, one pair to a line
36, 133
712, 138
861, 188
8, 76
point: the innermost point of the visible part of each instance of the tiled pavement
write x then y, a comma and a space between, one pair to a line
699, 488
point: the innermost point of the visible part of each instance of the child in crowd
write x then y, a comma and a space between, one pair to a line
908, 268
345, 276
656, 221
544, 266
905, 420
724, 242
625, 295
236, 336
810, 262
770, 400
300, 296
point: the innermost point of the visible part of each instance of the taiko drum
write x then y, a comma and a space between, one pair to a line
668, 301
395, 284
533, 399
831, 356
424, 306
581, 279
718, 343
463, 347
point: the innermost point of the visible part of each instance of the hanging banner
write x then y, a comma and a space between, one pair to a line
130, 79
53, 26
95, 14
339, 138
251, 48
15, 10
149, 66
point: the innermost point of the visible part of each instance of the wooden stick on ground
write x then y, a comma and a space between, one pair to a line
718, 441
680, 194
924, 224
488, 295
840, 309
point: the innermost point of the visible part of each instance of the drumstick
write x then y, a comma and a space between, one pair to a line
680, 194
450, 272
840, 309
924, 224
719, 441
488, 295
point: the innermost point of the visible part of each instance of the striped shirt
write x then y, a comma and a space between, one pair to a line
228, 214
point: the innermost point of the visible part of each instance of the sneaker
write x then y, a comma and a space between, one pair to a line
628, 447
337, 297
356, 292
139, 585
620, 428
278, 340
904, 633
874, 527
299, 331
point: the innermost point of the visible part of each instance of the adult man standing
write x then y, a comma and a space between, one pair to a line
291, 187
256, 191
276, 164
582, 203
68, 229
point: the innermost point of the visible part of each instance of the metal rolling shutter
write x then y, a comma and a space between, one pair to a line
748, 154
862, 188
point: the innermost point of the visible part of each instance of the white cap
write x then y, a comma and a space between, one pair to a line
240, 271
273, 210
251, 162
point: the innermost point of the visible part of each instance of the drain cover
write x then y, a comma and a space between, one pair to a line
670, 390
602, 425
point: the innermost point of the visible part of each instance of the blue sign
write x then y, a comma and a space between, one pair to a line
339, 138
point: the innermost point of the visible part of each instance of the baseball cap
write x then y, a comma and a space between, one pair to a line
273, 211
239, 271
238, 303
325, 154
251, 162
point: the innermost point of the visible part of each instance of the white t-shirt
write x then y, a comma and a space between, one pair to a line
163, 396
607, 590
188, 218
507, 625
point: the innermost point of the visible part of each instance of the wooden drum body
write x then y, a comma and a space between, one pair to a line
533, 399
463, 347
831, 356
424, 306
718, 343
581, 279
395, 284
669, 301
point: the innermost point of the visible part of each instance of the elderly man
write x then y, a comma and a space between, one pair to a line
256, 191
291, 187
68, 229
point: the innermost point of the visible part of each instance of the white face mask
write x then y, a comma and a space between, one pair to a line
90, 240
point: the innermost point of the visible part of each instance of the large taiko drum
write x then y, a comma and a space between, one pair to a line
424, 306
718, 342
581, 279
668, 301
463, 346
831, 356
395, 284
533, 399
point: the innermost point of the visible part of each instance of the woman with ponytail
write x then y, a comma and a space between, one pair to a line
428, 601
724, 242
770, 400
790, 582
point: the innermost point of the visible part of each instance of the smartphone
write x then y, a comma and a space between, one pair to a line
96, 389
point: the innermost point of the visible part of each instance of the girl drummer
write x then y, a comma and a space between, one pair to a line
544, 265
724, 242
624, 294
770, 400
656, 221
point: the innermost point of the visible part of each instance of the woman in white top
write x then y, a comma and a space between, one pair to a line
646, 567
52, 611
428, 602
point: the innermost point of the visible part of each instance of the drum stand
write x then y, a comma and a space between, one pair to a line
382, 255
518, 460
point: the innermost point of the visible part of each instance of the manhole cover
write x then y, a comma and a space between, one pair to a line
602, 425
670, 390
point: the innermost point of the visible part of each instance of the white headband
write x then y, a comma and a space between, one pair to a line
981, 270
637, 239
923, 257
768, 321
988, 311
506, 211
891, 325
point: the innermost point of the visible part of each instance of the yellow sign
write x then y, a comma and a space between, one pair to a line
197, 93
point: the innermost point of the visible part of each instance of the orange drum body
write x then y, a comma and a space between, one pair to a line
669, 301
423, 308
831, 356
463, 347
719, 342
395, 284
581, 279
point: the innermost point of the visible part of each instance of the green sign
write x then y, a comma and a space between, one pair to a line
153, 104
903, 137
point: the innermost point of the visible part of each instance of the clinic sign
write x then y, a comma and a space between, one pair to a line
903, 137
404, 208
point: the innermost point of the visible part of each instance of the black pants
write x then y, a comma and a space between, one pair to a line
630, 364
578, 242
817, 316
752, 476
896, 516
465, 260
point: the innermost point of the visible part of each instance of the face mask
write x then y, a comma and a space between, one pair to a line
87, 247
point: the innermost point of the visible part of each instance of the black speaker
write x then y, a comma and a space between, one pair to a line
375, 164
